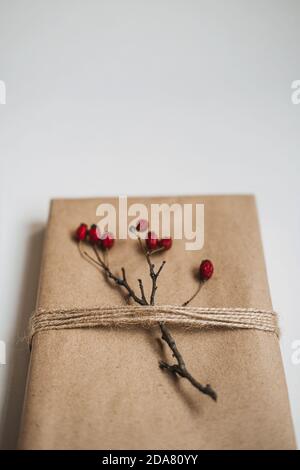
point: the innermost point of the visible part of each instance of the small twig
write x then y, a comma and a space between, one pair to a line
154, 275
89, 258
180, 367
100, 260
160, 268
142, 290
118, 280
123, 282
194, 295
158, 250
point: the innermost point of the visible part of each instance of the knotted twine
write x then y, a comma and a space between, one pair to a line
150, 315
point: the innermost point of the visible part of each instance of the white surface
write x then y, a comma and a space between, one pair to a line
145, 97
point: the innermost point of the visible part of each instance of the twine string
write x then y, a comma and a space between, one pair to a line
150, 315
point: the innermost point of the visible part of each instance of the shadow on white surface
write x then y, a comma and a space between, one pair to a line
19, 355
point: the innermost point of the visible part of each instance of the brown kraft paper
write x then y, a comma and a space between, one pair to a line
101, 388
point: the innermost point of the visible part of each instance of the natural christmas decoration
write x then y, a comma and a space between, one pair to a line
152, 245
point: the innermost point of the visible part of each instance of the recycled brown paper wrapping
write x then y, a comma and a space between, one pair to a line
102, 389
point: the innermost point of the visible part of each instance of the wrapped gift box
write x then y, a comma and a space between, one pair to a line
101, 388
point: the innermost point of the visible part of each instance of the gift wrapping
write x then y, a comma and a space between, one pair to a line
101, 388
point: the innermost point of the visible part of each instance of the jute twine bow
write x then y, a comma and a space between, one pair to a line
147, 316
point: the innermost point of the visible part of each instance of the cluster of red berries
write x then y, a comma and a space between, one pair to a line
92, 234
106, 241
152, 240
206, 268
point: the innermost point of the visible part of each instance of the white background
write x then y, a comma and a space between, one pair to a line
145, 97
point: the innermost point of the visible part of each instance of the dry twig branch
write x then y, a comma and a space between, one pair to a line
120, 281
179, 368
194, 295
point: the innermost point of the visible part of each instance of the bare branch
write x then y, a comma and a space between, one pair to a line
194, 295
142, 290
180, 368
160, 268
118, 280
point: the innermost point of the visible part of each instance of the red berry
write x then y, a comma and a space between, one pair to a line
107, 240
166, 243
151, 241
206, 270
94, 234
142, 225
81, 232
